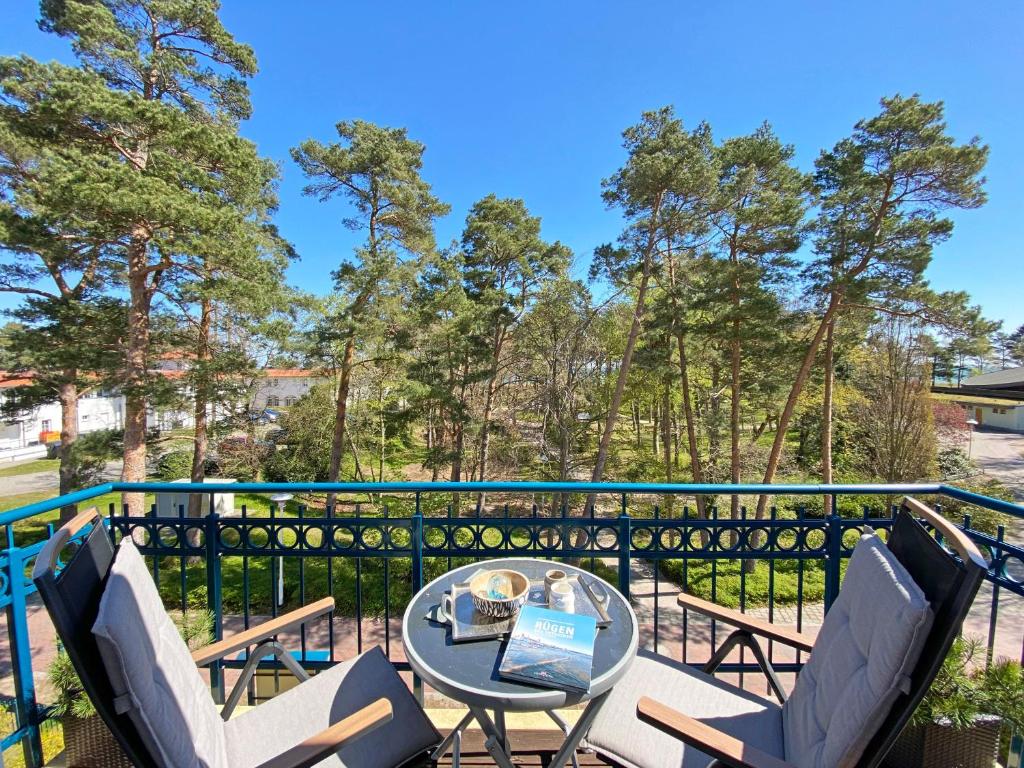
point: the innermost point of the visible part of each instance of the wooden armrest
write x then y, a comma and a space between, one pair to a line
327, 742
253, 635
707, 739
790, 637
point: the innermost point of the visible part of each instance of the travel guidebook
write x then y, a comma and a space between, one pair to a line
550, 648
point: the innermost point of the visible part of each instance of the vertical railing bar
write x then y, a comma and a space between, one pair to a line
801, 541
387, 583
684, 550
656, 563
993, 618
713, 542
183, 560
416, 542
244, 540
773, 534
214, 596
744, 536
624, 547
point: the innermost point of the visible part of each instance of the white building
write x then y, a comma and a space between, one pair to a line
284, 386
25, 435
995, 400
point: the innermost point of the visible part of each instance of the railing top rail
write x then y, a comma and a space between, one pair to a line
682, 489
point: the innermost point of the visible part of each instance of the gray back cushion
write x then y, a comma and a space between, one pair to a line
862, 660
151, 670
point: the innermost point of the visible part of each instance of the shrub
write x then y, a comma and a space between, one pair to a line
174, 465
953, 462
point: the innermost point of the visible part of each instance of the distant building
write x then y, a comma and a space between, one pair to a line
994, 400
282, 387
26, 434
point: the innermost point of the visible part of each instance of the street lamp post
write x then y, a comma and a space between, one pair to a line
280, 499
971, 424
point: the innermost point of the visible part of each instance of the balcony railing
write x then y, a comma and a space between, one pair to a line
380, 542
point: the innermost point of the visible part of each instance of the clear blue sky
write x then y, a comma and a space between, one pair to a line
528, 99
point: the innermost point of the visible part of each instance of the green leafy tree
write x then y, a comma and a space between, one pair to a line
148, 122
882, 191
759, 216
376, 170
505, 263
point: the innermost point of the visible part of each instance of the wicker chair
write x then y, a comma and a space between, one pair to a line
881, 645
146, 685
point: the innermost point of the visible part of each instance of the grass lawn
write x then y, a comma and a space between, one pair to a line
27, 467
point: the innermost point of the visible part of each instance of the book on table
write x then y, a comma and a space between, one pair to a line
551, 649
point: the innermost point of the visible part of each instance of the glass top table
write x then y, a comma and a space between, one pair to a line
468, 672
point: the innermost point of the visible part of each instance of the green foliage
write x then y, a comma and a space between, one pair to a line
309, 425
953, 463
754, 588
174, 465
965, 689
985, 520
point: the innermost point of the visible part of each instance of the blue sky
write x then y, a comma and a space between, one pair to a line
528, 99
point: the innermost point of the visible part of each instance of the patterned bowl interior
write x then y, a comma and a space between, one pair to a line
499, 609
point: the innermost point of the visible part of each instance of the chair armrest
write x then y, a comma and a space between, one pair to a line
707, 739
790, 637
253, 635
327, 742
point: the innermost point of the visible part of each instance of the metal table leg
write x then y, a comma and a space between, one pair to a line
453, 739
493, 741
578, 731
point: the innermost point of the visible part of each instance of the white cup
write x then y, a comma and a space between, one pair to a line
552, 577
562, 597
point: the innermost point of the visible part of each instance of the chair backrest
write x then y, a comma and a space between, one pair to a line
950, 584
72, 597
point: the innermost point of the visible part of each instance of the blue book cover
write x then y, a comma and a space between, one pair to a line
551, 649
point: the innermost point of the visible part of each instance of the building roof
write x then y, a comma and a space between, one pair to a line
1011, 378
12, 380
291, 373
994, 402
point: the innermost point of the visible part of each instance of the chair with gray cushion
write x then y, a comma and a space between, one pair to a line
146, 685
882, 642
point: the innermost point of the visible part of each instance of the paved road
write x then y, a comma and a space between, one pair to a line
1001, 455
36, 482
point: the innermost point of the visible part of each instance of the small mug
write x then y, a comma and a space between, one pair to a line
553, 577
563, 598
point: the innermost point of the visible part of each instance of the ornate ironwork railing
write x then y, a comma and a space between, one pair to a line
379, 543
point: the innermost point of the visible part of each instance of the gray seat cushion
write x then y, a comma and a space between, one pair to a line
617, 733
862, 659
151, 670
295, 715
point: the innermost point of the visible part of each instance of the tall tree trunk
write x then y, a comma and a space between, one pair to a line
794, 394
826, 411
666, 436
134, 469
734, 377
68, 397
620, 384
200, 438
340, 411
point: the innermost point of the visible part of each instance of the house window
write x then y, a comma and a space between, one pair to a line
289, 401
273, 402
47, 425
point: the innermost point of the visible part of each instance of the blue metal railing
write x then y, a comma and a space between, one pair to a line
393, 537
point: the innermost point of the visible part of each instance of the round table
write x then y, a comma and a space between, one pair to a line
468, 672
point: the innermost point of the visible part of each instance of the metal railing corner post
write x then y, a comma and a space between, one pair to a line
214, 596
26, 709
